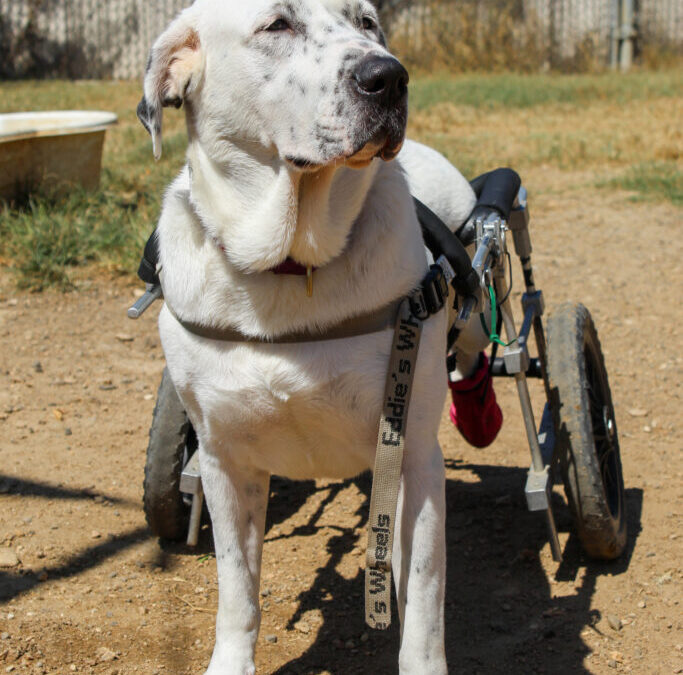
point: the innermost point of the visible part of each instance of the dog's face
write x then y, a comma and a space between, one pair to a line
308, 80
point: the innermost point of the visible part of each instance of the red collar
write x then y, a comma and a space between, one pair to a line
288, 266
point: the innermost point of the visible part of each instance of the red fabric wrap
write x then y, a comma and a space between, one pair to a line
474, 410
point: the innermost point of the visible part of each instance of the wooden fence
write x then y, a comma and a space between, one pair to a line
111, 38
80, 38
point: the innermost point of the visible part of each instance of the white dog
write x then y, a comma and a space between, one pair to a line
291, 108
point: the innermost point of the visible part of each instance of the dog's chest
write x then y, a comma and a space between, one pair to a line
299, 411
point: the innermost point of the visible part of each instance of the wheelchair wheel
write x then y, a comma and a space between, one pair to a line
171, 442
587, 440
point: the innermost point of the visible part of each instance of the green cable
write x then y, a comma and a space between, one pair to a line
493, 336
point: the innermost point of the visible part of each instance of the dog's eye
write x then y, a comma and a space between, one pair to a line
278, 25
369, 23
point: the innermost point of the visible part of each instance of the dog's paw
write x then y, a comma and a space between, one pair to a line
230, 670
231, 662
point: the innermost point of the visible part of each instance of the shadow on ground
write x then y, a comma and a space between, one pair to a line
502, 615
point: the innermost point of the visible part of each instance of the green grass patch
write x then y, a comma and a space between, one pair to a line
652, 181
525, 91
49, 239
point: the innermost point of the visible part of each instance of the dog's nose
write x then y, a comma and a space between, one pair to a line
382, 78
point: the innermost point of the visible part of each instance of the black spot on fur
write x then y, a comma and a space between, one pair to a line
323, 88
145, 114
302, 88
176, 102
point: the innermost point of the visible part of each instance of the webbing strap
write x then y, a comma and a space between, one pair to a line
388, 461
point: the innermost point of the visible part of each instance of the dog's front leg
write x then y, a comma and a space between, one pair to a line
419, 563
237, 498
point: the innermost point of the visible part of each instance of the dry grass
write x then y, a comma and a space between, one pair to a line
603, 136
467, 35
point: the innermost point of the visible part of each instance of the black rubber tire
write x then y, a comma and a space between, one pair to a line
587, 439
166, 512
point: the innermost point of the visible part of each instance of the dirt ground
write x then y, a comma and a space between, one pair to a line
85, 588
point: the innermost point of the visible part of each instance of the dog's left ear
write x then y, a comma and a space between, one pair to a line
174, 72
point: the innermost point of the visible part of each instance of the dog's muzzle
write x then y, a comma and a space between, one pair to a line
381, 80
381, 84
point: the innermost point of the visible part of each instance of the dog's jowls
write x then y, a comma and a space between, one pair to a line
291, 108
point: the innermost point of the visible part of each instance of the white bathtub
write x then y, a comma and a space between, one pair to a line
51, 150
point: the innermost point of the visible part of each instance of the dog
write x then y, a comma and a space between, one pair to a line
294, 112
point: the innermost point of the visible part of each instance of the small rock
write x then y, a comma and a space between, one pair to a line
95, 535
364, 638
272, 639
68, 432
124, 337
302, 627
38, 367
664, 579
8, 558
637, 412
611, 663
4, 636
614, 621
42, 576
642, 604
105, 655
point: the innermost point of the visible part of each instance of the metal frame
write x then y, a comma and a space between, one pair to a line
516, 362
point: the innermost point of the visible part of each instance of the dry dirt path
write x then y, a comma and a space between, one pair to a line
84, 588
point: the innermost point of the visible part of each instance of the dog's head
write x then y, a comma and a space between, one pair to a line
310, 81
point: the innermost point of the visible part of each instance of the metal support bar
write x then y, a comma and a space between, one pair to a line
152, 293
191, 483
539, 472
498, 369
195, 518
539, 483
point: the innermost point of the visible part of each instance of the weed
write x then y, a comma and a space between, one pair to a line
651, 181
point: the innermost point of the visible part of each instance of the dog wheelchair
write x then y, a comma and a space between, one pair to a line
577, 436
